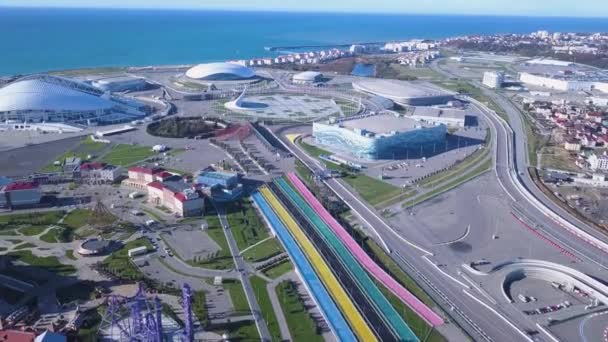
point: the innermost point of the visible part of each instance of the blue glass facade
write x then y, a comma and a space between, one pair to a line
378, 147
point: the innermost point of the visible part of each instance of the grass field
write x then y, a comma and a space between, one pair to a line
32, 230
222, 260
246, 225
125, 155
199, 307
25, 245
237, 296
49, 263
261, 293
479, 170
70, 254
242, 331
80, 217
459, 168
50, 236
301, 326
38, 219
263, 251
278, 269
373, 191
119, 263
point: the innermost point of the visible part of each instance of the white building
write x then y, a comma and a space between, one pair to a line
181, 198
99, 172
562, 84
307, 77
598, 163
493, 79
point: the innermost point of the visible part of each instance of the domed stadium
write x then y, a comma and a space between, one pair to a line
47, 98
220, 72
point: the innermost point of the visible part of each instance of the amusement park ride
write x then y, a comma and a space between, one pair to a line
138, 319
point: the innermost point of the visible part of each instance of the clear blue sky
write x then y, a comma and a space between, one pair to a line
582, 8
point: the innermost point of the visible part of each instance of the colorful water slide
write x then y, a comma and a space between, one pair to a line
374, 269
330, 311
366, 307
383, 306
357, 323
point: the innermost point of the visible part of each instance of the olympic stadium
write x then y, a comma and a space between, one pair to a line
46, 98
403, 92
220, 72
380, 136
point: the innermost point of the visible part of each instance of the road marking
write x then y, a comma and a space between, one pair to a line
445, 273
524, 335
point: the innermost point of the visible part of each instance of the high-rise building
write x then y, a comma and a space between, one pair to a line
493, 79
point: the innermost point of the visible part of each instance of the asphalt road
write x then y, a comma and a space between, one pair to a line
241, 267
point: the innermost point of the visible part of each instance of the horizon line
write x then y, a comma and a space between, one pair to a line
304, 11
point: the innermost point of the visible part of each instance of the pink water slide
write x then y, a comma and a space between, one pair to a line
397, 289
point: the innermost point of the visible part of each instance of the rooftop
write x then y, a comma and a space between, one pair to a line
394, 89
382, 124
95, 244
217, 175
16, 186
438, 112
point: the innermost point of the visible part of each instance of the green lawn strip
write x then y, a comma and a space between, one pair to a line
70, 254
372, 190
43, 218
279, 269
126, 155
32, 230
263, 299
460, 167
25, 245
247, 227
199, 307
533, 141
61, 159
482, 168
415, 322
301, 325
263, 251
316, 152
50, 263
153, 214
385, 261
237, 296
409, 193
3, 249
89, 331
50, 236
86, 147
169, 312
10, 232
119, 263
222, 259
81, 291
241, 331
80, 217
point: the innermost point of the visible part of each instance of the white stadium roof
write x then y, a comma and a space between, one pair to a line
309, 76
220, 71
51, 93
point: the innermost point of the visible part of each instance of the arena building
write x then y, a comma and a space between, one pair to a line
220, 72
380, 136
307, 77
45, 98
93, 247
403, 92
120, 83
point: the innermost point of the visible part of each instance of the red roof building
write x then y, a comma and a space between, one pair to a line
16, 336
17, 186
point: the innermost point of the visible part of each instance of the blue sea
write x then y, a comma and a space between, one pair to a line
35, 40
